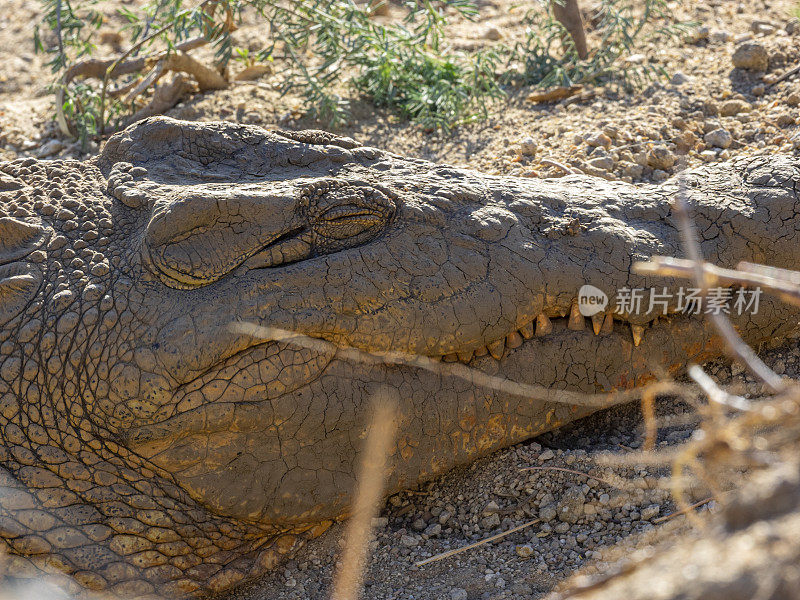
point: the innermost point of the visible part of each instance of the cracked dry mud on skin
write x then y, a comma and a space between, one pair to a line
605, 530
149, 448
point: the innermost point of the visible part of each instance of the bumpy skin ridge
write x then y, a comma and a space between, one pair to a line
149, 448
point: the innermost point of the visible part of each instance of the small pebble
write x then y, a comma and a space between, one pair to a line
680, 78
598, 140
730, 108
458, 594
719, 138
527, 146
524, 550
660, 157
751, 56
493, 33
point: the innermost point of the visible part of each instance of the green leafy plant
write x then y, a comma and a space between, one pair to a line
322, 46
326, 49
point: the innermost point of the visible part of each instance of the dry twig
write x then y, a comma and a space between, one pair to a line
492, 538
371, 480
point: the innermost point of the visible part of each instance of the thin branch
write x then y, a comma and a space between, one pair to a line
461, 371
734, 343
784, 284
573, 471
683, 511
549, 162
482, 542
97, 68
786, 75
125, 55
371, 481
716, 393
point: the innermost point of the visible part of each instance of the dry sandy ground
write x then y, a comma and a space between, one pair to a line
708, 111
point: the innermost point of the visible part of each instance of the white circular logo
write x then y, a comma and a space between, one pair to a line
591, 300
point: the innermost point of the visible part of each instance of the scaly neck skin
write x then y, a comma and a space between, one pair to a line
74, 502
75, 505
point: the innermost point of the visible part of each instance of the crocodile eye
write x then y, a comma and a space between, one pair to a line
201, 233
343, 215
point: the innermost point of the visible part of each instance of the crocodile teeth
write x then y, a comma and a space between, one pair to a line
638, 334
465, 357
496, 348
452, 357
608, 324
543, 325
576, 320
527, 330
513, 340
597, 323
482, 351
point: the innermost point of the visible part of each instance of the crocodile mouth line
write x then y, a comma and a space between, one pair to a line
542, 326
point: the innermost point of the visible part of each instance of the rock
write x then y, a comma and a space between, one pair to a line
650, 512
598, 139
792, 27
660, 157
659, 175
546, 455
491, 508
635, 59
632, 170
758, 90
785, 120
458, 594
570, 508
604, 163
700, 34
490, 522
50, 148
793, 99
409, 541
719, 138
432, 530
561, 528
719, 36
680, 78
548, 513
380, 522
751, 56
524, 550
419, 525
521, 590
762, 27
444, 517
527, 146
730, 108
493, 33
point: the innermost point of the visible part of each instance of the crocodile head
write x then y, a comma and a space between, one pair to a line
155, 254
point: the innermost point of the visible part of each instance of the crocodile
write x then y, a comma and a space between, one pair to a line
152, 445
